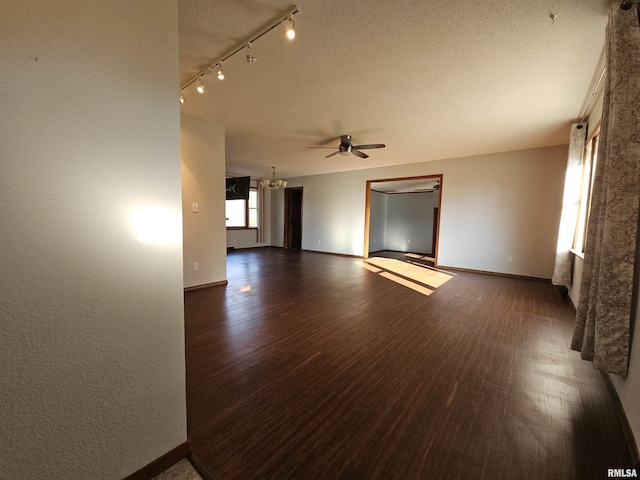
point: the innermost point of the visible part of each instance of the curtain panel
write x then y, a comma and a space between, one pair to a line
570, 204
261, 214
604, 313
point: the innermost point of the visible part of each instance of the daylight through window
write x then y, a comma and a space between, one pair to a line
243, 213
586, 189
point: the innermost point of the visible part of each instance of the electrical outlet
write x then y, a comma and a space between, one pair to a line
196, 266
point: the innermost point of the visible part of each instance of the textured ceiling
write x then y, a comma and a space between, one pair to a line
430, 79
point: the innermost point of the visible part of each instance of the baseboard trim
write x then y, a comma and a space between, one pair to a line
206, 285
573, 306
162, 463
200, 467
332, 253
497, 274
622, 418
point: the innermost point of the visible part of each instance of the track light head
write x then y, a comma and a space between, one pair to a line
200, 86
289, 28
181, 98
220, 74
250, 58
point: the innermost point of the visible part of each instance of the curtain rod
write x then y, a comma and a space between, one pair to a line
594, 94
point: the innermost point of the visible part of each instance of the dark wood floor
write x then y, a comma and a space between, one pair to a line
308, 366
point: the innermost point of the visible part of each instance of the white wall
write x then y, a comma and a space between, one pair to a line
493, 207
378, 221
92, 376
203, 155
277, 218
410, 222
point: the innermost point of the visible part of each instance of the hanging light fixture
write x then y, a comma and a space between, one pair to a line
200, 86
289, 28
181, 98
273, 184
220, 74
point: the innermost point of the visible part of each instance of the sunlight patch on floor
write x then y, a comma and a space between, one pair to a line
420, 278
420, 257
407, 283
371, 268
426, 276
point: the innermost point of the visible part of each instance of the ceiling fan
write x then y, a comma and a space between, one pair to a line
434, 188
347, 148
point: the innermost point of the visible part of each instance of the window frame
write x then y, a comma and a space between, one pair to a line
590, 160
246, 212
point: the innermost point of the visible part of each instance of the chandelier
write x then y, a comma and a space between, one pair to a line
273, 184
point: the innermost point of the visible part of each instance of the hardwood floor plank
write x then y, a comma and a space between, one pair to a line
326, 370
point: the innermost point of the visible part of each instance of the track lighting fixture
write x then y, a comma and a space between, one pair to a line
250, 58
289, 28
285, 19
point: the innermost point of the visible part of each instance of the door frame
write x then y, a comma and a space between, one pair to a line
367, 209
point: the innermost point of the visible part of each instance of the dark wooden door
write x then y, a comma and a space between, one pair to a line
293, 218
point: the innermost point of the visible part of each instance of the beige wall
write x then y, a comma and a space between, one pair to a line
493, 207
202, 152
92, 376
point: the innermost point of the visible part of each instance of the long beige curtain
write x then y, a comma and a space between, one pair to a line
570, 202
261, 215
604, 312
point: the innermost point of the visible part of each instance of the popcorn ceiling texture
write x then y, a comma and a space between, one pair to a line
430, 79
92, 383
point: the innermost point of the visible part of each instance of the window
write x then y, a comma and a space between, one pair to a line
243, 213
586, 189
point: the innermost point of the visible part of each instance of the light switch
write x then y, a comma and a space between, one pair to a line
194, 208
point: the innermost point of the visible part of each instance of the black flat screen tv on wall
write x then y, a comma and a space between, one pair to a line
238, 188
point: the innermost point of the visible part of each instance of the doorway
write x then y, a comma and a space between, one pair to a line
293, 218
414, 225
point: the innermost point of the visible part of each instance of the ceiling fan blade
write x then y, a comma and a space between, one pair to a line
328, 140
372, 145
359, 153
332, 154
333, 148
